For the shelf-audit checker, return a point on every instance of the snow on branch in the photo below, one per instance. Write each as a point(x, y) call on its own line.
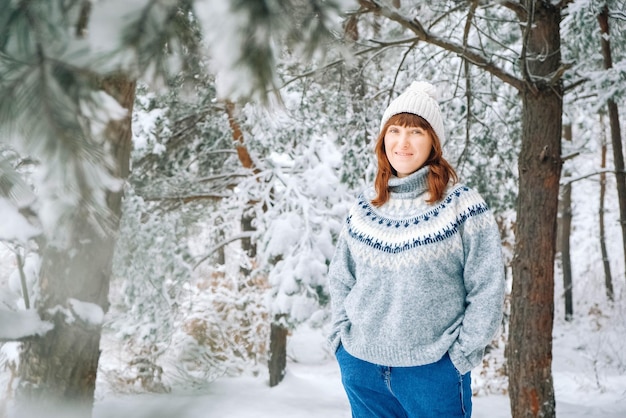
point(87, 312)
point(584, 176)
point(227, 241)
point(14, 226)
point(19, 325)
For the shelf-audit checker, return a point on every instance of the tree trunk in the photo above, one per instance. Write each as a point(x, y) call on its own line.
point(565, 231)
point(221, 252)
point(278, 353)
point(247, 218)
point(59, 369)
point(616, 135)
point(608, 277)
point(247, 244)
point(529, 350)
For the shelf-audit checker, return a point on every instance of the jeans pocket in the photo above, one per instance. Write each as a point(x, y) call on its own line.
point(446, 359)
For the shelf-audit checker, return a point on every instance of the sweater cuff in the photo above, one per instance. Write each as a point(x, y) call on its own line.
point(333, 342)
point(462, 364)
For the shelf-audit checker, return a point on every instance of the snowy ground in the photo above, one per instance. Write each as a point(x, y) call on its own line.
point(589, 382)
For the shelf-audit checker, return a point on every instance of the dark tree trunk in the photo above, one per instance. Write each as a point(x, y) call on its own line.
point(608, 277)
point(616, 134)
point(221, 252)
point(247, 244)
point(278, 353)
point(59, 369)
point(529, 350)
point(565, 231)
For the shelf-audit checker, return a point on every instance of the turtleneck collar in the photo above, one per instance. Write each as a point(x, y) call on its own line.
point(410, 186)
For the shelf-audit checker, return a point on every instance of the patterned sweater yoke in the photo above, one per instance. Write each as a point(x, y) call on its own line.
point(398, 229)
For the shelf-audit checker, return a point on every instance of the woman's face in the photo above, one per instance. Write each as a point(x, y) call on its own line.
point(407, 148)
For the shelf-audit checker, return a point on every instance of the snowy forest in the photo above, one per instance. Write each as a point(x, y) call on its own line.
point(174, 175)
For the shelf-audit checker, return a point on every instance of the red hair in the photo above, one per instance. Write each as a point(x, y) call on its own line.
point(440, 173)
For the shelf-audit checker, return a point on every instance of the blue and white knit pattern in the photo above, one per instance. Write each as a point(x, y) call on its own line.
point(399, 235)
point(411, 280)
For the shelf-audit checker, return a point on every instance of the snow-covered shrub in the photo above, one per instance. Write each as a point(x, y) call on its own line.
point(224, 330)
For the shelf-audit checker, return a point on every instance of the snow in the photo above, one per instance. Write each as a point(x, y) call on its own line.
point(100, 109)
point(19, 324)
point(312, 388)
point(144, 124)
point(282, 237)
point(14, 226)
point(87, 312)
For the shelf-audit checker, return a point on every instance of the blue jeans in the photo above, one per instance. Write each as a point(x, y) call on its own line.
point(434, 390)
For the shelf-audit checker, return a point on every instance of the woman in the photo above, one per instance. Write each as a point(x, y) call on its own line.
point(417, 279)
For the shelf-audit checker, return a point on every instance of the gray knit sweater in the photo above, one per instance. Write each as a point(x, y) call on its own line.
point(410, 281)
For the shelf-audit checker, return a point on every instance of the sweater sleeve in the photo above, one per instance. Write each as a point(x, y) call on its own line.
point(340, 281)
point(483, 276)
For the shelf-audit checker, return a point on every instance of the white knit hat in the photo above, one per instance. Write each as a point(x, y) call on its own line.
point(419, 99)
